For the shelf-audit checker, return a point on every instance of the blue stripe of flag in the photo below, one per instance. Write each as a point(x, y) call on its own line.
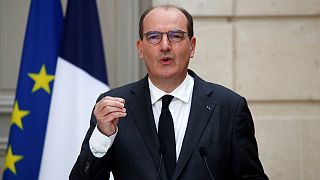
point(82, 43)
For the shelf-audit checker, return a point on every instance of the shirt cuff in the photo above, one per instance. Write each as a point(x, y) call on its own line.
point(99, 143)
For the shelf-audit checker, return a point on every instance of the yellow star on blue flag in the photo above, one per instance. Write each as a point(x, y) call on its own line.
point(41, 80)
point(17, 115)
point(10, 161)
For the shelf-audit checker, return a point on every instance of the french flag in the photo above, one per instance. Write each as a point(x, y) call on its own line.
point(79, 79)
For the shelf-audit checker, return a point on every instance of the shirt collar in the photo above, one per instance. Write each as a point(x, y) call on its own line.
point(182, 92)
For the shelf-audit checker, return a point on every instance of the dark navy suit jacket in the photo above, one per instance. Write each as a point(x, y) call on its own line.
point(219, 121)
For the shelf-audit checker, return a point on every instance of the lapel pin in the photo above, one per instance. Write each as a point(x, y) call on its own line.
point(208, 108)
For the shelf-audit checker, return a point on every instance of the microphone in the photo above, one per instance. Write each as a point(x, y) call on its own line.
point(204, 154)
point(162, 151)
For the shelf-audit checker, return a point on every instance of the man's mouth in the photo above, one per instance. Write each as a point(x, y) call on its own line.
point(166, 59)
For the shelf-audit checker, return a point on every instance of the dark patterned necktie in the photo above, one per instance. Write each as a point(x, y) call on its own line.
point(166, 136)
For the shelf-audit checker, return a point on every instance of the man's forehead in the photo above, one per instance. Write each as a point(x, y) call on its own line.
point(164, 11)
point(164, 14)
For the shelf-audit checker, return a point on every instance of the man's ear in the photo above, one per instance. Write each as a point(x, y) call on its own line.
point(140, 48)
point(192, 47)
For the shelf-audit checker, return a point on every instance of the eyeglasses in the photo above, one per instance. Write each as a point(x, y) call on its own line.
point(174, 36)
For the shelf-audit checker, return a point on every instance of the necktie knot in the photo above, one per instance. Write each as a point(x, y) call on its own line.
point(166, 99)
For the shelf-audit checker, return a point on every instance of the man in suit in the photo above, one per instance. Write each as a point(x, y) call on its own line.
point(171, 124)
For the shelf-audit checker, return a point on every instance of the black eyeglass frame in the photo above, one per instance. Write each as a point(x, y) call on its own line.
point(168, 35)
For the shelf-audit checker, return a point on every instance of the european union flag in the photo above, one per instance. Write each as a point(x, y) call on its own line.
point(32, 102)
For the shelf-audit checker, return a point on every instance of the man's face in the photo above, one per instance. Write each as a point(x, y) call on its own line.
point(166, 60)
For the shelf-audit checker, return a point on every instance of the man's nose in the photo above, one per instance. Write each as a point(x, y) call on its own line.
point(165, 43)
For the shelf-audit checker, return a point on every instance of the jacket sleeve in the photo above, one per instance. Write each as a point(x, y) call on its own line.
point(87, 165)
point(246, 163)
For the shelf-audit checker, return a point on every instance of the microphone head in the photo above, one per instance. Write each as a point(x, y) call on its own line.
point(162, 150)
point(203, 152)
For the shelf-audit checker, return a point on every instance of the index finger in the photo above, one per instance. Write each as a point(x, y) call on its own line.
point(110, 101)
point(119, 99)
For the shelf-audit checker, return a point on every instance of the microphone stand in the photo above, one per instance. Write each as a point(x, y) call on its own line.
point(161, 152)
point(204, 154)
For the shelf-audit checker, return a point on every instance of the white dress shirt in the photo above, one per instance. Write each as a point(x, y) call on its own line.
point(179, 108)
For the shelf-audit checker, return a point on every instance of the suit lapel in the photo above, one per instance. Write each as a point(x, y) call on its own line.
point(141, 110)
point(201, 110)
